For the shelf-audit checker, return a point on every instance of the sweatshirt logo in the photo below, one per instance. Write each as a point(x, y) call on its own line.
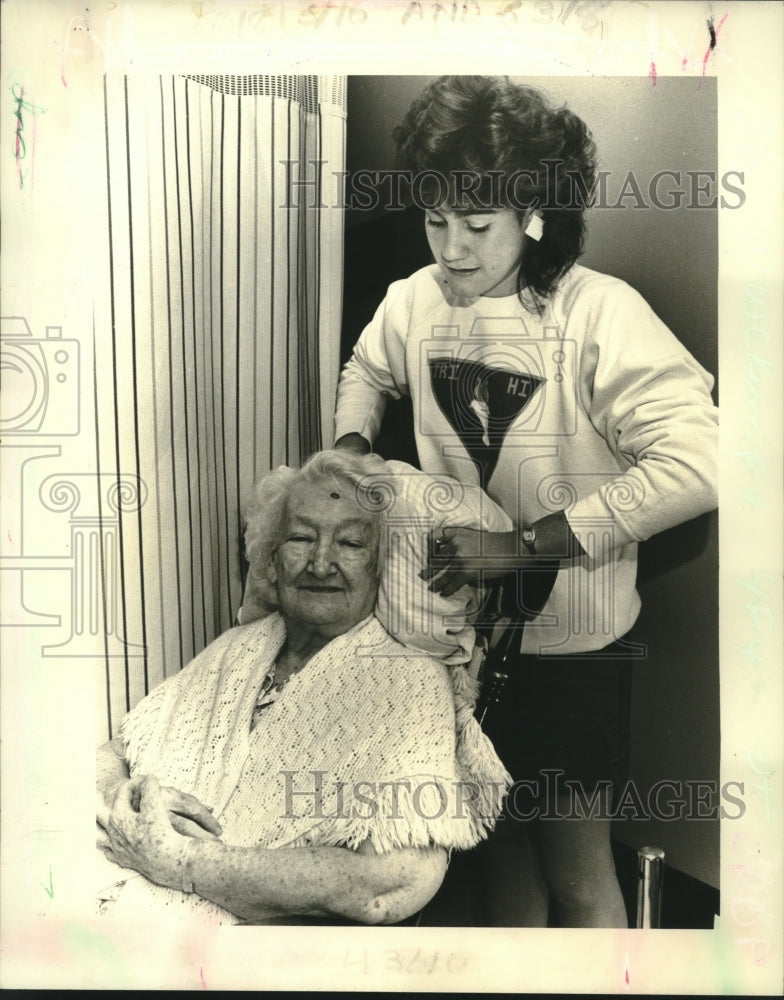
point(481, 404)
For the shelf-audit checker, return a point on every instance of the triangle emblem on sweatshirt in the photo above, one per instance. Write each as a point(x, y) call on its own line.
point(481, 404)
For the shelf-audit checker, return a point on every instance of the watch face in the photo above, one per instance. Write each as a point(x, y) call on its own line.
point(529, 535)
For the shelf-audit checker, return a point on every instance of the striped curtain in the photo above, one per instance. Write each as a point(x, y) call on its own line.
point(222, 352)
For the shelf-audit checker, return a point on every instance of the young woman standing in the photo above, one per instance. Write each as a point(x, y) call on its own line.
point(558, 390)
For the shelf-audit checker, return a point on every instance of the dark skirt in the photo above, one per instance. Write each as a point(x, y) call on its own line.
point(564, 719)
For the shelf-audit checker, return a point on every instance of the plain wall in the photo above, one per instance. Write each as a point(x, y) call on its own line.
point(671, 258)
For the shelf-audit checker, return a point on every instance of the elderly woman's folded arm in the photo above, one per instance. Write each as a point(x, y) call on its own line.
point(364, 886)
point(259, 884)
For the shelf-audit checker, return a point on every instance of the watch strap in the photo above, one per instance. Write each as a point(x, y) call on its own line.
point(528, 538)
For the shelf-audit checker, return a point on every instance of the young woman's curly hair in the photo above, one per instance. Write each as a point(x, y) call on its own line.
point(490, 127)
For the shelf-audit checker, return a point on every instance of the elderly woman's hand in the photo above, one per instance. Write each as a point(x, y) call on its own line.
point(137, 834)
point(187, 815)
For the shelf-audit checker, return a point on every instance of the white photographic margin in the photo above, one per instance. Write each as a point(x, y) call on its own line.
point(52, 234)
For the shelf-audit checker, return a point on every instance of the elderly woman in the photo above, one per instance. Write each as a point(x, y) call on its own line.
point(559, 391)
point(305, 763)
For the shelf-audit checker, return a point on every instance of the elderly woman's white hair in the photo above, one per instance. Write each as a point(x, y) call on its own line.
point(265, 508)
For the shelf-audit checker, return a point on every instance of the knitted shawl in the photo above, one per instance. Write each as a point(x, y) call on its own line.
point(369, 740)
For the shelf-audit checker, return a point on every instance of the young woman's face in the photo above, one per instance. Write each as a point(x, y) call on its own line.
point(479, 252)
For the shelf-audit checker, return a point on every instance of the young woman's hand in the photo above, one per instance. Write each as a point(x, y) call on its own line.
point(355, 443)
point(457, 556)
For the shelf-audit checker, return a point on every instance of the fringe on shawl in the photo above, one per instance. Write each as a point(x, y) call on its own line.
point(462, 812)
point(399, 814)
point(425, 810)
point(476, 756)
point(420, 811)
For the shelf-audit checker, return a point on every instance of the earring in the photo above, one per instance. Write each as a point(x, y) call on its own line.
point(535, 227)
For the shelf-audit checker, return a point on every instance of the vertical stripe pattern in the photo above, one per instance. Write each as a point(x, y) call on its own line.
point(222, 358)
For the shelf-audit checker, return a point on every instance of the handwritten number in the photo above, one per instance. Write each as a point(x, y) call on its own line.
point(511, 10)
point(587, 14)
point(357, 15)
point(567, 9)
point(316, 14)
point(310, 15)
point(362, 962)
point(393, 961)
point(545, 9)
point(408, 962)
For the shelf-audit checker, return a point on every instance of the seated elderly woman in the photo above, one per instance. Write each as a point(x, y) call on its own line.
point(305, 763)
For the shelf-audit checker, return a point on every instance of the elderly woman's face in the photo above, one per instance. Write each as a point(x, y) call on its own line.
point(326, 567)
point(479, 253)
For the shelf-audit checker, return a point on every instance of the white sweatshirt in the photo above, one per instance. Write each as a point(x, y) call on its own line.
point(594, 408)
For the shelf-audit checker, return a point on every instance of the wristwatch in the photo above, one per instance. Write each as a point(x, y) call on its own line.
point(528, 536)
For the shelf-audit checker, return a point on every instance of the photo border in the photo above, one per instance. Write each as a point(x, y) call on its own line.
point(48, 743)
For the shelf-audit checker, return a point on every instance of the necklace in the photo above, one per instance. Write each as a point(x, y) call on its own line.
point(271, 688)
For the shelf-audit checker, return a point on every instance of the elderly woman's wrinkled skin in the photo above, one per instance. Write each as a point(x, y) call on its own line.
point(326, 570)
point(325, 567)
